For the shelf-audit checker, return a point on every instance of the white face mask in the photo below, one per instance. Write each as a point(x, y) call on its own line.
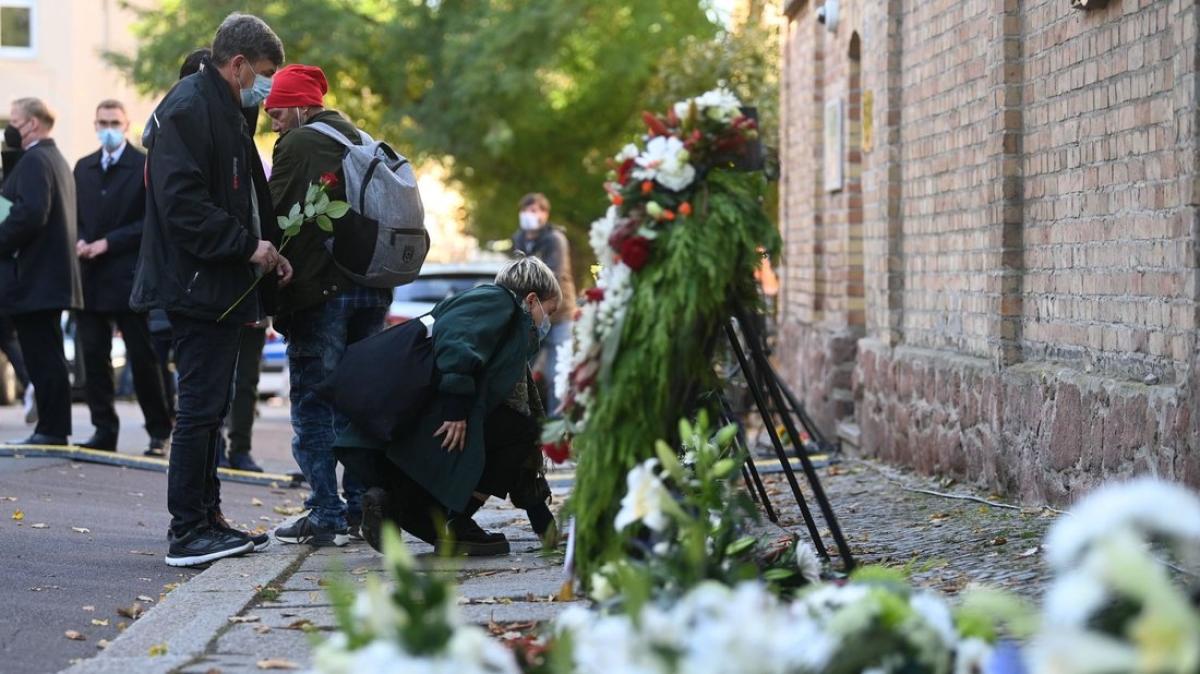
point(530, 221)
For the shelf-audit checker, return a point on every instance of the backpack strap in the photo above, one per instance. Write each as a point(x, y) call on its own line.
point(325, 129)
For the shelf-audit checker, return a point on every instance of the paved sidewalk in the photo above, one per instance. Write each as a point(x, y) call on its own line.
point(272, 605)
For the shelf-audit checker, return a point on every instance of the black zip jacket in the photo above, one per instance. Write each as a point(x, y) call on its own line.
point(197, 234)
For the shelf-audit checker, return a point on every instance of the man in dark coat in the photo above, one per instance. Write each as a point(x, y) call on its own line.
point(539, 238)
point(112, 198)
point(322, 311)
point(205, 242)
point(37, 261)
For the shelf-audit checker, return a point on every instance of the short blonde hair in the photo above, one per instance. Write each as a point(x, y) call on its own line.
point(526, 275)
point(37, 109)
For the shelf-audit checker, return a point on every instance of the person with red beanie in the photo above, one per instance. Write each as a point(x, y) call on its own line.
point(322, 311)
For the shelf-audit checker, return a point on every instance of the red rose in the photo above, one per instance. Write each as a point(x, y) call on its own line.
point(635, 251)
point(329, 179)
point(594, 294)
point(557, 452)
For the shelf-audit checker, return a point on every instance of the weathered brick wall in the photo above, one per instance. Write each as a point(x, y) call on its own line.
point(1027, 226)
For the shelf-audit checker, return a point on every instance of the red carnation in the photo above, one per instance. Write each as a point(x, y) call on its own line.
point(594, 294)
point(557, 452)
point(329, 179)
point(655, 125)
point(623, 171)
point(635, 251)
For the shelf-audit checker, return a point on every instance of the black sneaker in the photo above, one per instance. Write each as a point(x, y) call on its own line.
point(466, 537)
point(354, 524)
point(206, 545)
point(304, 531)
point(260, 541)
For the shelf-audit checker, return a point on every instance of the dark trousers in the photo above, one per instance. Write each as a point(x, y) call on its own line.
point(95, 346)
point(12, 350)
point(245, 389)
point(205, 355)
point(41, 337)
point(162, 351)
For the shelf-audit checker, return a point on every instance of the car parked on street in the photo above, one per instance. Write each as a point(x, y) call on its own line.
point(436, 283)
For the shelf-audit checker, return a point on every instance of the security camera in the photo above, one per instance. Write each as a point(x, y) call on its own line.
point(827, 14)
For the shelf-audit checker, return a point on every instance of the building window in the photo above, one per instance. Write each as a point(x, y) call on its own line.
point(16, 28)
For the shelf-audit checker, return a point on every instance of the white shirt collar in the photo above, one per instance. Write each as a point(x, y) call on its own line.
point(113, 157)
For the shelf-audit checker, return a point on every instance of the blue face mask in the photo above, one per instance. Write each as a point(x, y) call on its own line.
point(543, 328)
point(110, 139)
point(257, 93)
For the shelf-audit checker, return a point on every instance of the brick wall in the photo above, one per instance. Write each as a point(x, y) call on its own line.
point(1004, 287)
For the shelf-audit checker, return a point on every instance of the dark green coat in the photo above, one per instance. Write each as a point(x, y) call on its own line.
point(300, 157)
point(482, 342)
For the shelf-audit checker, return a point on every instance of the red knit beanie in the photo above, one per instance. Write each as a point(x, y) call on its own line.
point(297, 86)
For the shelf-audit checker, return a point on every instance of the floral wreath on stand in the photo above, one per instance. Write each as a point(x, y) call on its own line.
point(676, 244)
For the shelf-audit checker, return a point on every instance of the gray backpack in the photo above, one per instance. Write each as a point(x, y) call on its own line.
point(381, 242)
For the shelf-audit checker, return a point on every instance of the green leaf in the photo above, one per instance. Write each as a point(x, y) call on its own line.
point(778, 574)
point(669, 460)
point(292, 231)
point(283, 221)
point(294, 212)
point(311, 194)
point(308, 211)
point(739, 546)
point(322, 203)
point(337, 209)
point(325, 223)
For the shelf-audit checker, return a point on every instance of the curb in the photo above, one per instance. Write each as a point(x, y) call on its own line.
point(193, 615)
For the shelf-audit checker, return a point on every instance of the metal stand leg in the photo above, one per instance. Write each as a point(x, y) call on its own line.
point(774, 389)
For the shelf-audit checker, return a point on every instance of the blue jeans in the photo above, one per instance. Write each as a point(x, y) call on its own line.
point(317, 341)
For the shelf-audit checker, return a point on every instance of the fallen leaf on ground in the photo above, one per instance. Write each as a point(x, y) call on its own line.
point(18, 515)
point(8, 498)
point(81, 530)
point(74, 636)
point(277, 663)
point(100, 623)
point(102, 644)
point(142, 597)
point(158, 649)
point(288, 510)
point(41, 525)
point(301, 624)
point(1031, 551)
point(89, 608)
point(262, 629)
point(999, 540)
point(143, 552)
point(255, 501)
point(131, 612)
point(243, 619)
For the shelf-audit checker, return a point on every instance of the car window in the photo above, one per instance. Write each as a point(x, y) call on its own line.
point(436, 289)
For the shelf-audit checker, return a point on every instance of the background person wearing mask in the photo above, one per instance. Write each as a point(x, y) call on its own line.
point(37, 251)
point(539, 238)
point(112, 199)
point(205, 241)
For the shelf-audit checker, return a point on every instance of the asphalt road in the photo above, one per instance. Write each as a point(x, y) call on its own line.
point(103, 539)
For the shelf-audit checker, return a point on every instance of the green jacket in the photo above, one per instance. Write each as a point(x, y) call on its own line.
point(482, 342)
point(301, 156)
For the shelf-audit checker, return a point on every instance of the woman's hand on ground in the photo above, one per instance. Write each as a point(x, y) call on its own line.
point(456, 435)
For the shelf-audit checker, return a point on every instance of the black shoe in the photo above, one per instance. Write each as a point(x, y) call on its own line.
point(158, 447)
point(42, 439)
point(465, 537)
point(375, 505)
point(260, 541)
point(242, 461)
point(354, 524)
point(304, 531)
point(205, 545)
point(105, 442)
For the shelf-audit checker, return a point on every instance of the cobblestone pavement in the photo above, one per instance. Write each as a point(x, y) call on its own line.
point(942, 543)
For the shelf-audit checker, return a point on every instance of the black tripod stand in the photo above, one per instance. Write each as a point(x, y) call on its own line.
point(763, 383)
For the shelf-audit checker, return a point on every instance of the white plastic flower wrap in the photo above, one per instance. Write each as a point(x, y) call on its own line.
point(1113, 606)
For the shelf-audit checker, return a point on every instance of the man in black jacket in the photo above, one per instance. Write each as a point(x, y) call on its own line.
point(205, 241)
point(112, 198)
point(38, 265)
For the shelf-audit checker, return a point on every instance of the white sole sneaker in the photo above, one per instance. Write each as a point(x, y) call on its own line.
point(210, 557)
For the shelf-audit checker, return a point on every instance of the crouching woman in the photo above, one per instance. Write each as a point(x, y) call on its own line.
point(477, 433)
